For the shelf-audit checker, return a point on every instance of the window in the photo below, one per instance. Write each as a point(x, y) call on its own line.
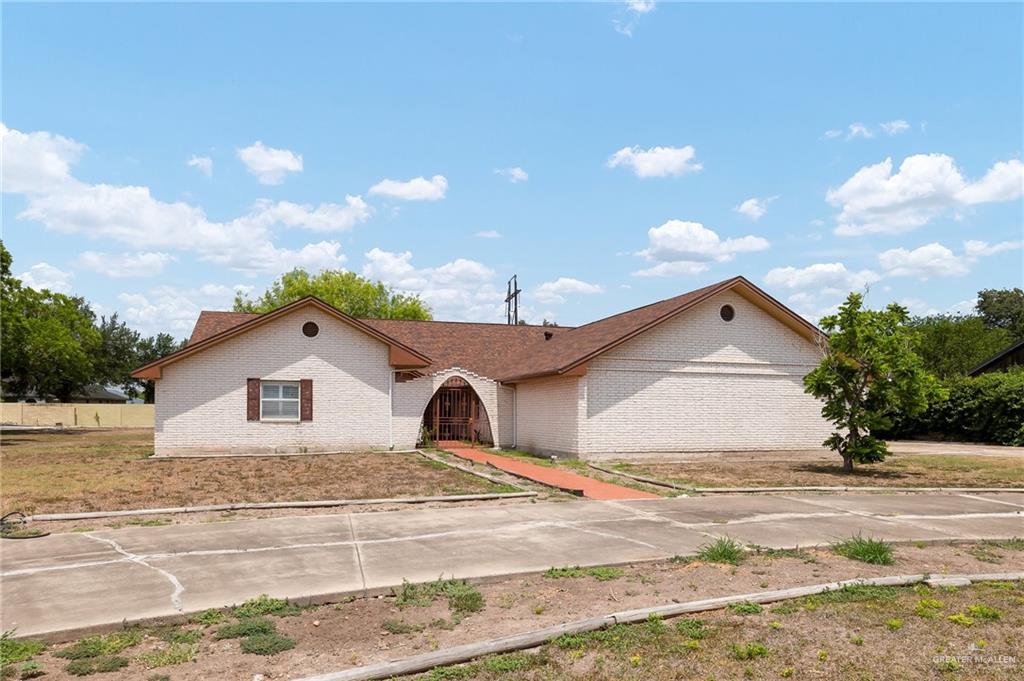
point(727, 313)
point(310, 329)
point(279, 401)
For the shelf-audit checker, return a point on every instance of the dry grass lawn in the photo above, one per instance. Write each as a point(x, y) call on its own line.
point(872, 633)
point(92, 470)
point(910, 470)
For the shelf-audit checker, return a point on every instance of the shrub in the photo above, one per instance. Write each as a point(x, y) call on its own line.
point(749, 651)
point(265, 605)
point(14, 650)
point(247, 627)
point(865, 549)
point(266, 644)
point(985, 408)
point(722, 550)
point(462, 596)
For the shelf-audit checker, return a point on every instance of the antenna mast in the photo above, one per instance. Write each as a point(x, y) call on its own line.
point(512, 301)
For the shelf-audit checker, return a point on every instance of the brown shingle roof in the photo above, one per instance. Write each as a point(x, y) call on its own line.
point(211, 322)
point(507, 353)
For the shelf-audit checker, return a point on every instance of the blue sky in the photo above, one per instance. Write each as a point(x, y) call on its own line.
point(609, 154)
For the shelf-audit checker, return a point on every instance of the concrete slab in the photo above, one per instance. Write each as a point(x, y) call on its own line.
point(985, 527)
point(53, 600)
point(1015, 498)
point(691, 510)
point(906, 504)
point(240, 534)
point(229, 579)
point(54, 550)
point(794, 532)
point(666, 536)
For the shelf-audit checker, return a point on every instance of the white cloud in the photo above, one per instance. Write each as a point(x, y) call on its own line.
point(875, 200)
point(172, 310)
point(269, 165)
point(514, 174)
point(812, 306)
point(895, 127)
point(859, 130)
point(687, 248)
point(489, 234)
point(416, 189)
point(640, 6)
point(832, 134)
point(461, 290)
point(204, 164)
point(552, 292)
point(656, 161)
point(36, 161)
point(918, 307)
point(977, 249)
point(140, 264)
point(831, 277)
point(44, 275)
point(925, 262)
point(39, 167)
point(754, 208)
point(327, 217)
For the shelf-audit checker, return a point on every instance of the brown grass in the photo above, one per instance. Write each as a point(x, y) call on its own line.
point(109, 469)
point(896, 471)
point(333, 637)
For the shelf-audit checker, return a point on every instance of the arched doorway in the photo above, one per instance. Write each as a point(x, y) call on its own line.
point(456, 412)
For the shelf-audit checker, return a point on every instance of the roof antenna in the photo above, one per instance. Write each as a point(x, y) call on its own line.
point(512, 301)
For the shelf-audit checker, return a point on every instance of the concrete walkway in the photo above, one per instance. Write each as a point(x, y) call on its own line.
point(547, 475)
point(75, 581)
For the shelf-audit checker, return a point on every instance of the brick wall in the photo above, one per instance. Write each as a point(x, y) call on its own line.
point(698, 383)
point(201, 405)
point(549, 413)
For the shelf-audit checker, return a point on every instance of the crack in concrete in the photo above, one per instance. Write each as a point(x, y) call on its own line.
point(359, 555)
point(141, 560)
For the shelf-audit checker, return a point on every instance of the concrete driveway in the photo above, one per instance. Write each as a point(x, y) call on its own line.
point(77, 581)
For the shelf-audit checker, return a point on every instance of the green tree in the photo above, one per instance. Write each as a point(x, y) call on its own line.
point(868, 372)
point(952, 345)
point(151, 349)
point(1003, 309)
point(347, 291)
point(118, 355)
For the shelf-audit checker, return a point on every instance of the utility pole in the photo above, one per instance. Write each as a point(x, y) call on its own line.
point(512, 301)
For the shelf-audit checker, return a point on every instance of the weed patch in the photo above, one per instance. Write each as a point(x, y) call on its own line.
point(209, 617)
point(265, 605)
point(865, 549)
point(400, 627)
point(247, 627)
point(745, 608)
point(266, 644)
point(176, 654)
point(13, 650)
point(95, 665)
point(692, 628)
point(749, 651)
point(722, 550)
point(101, 646)
point(600, 573)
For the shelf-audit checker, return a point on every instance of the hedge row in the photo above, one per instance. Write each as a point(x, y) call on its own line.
point(987, 408)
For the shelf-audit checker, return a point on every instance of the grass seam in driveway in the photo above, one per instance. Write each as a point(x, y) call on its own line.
point(326, 503)
point(532, 639)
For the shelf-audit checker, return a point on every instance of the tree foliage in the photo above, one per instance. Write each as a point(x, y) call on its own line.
point(1003, 309)
point(347, 291)
point(868, 372)
point(52, 346)
point(952, 345)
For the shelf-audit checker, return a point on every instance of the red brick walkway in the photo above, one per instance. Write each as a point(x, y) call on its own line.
point(555, 477)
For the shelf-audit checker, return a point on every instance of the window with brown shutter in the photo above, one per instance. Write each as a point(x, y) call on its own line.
point(306, 399)
point(252, 399)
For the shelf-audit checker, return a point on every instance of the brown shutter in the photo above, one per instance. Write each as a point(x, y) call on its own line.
point(306, 399)
point(252, 399)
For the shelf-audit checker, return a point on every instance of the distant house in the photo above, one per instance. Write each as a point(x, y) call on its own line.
point(1010, 357)
point(719, 368)
point(93, 394)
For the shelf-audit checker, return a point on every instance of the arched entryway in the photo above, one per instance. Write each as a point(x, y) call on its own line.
point(456, 412)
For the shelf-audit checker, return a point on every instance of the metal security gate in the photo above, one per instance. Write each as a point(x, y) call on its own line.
point(455, 413)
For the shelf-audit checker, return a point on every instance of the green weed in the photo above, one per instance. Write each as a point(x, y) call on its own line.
point(865, 549)
point(266, 644)
point(722, 550)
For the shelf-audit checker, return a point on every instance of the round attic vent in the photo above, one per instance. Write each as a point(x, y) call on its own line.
point(727, 313)
point(310, 329)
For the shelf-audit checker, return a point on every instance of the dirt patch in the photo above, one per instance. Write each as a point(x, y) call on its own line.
point(333, 637)
point(111, 469)
point(898, 470)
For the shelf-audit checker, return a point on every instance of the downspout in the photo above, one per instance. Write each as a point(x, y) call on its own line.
point(391, 409)
point(515, 416)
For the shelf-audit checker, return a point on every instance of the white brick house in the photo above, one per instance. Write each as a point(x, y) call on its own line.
point(720, 368)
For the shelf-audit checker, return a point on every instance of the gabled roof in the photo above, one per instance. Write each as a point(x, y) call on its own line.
point(499, 351)
point(401, 354)
point(994, 359)
point(571, 350)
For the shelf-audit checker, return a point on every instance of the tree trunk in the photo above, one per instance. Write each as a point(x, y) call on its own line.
point(847, 463)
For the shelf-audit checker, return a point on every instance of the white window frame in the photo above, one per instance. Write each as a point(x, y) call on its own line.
point(297, 400)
